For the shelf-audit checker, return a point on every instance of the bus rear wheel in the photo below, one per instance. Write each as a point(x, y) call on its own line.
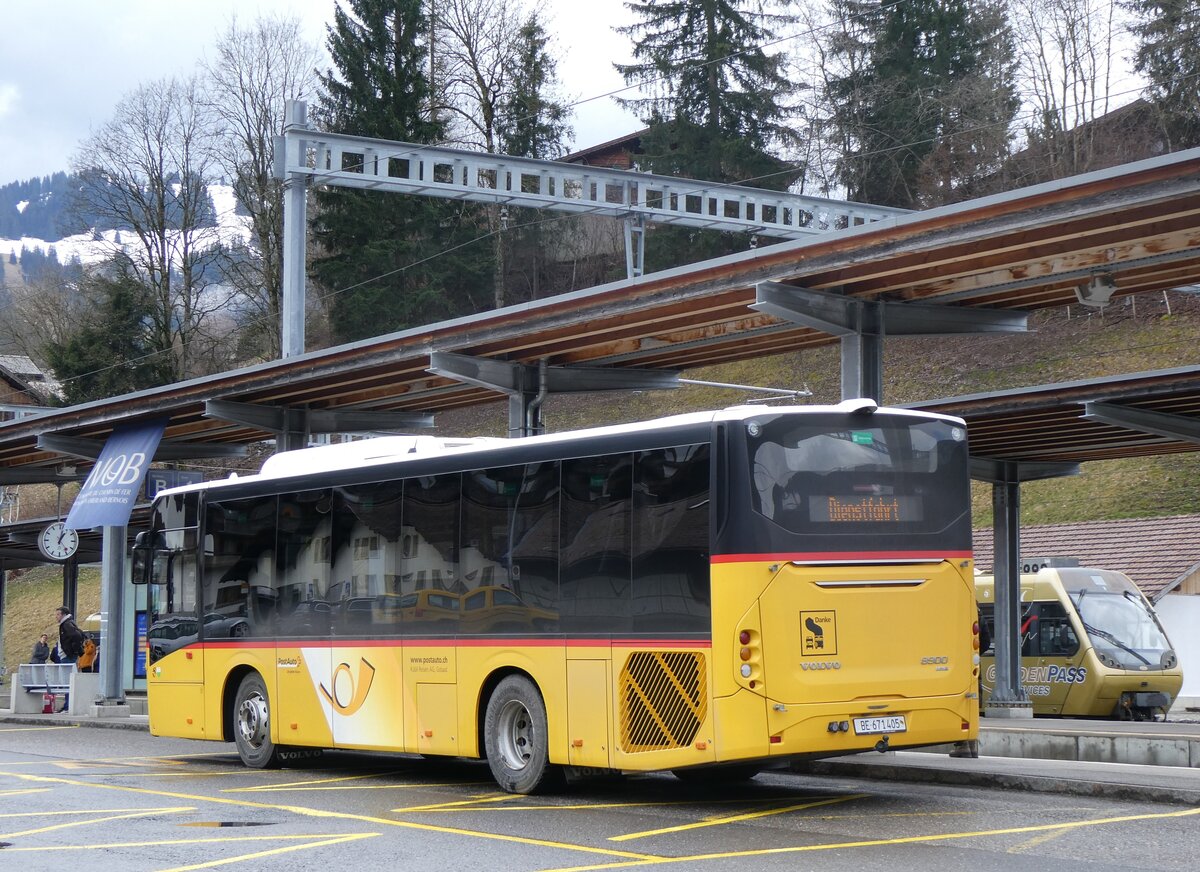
point(514, 735)
point(252, 724)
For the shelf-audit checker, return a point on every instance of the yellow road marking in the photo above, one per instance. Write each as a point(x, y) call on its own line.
point(1036, 842)
point(338, 815)
point(32, 729)
point(584, 806)
point(457, 805)
point(736, 818)
point(99, 820)
point(352, 787)
point(24, 790)
point(74, 811)
point(875, 843)
point(352, 837)
point(164, 843)
point(289, 784)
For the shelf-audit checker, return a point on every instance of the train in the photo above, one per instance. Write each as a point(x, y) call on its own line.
point(1091, 644)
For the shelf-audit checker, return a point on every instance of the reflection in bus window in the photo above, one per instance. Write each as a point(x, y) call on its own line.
point(596, 571)
point(670, 539)
point(431, 513)
point(510, 544)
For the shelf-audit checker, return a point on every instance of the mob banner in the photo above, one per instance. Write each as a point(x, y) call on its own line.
point(108, 495)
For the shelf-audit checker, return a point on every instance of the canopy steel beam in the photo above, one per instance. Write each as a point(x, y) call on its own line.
point(1156, 423)
point(527, 384)
point(37, 475)
point(862, 324)
point(1001, 471)
point(284, 420)
point(90, 449)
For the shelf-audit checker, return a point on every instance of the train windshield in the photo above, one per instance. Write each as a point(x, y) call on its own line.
point(1123, 627)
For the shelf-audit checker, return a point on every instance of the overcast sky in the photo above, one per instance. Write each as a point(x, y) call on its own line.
point(65, 64)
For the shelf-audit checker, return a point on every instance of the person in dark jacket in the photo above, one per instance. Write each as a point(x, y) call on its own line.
point(41, 649)
point(70, 643)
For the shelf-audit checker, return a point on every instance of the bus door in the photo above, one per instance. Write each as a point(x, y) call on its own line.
point(833, 633)
point(1050, 656)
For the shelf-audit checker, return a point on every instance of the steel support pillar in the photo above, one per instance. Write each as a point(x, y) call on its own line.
point(70, 587)
point(112, 625)
point(635, 246)
point(295, 211)
point(1008, 699)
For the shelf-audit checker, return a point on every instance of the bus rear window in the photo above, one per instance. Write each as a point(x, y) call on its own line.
point(884, 476)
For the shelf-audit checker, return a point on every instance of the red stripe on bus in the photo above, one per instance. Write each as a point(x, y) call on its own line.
point(514, 642)
point(843, 556)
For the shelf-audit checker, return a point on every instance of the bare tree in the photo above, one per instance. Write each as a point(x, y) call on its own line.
point(255, 71)
point(1065, 52)
point(145, 172)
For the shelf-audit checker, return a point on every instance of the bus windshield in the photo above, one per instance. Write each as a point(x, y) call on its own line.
point(887, 476)
point(1122, 626)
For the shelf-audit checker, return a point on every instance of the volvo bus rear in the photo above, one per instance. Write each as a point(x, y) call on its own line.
point(843, 608)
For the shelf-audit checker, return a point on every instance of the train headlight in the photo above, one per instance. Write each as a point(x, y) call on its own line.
point(1168, 659)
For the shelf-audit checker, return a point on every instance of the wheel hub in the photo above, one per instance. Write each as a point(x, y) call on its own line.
point(252, 720)
point(515, 735)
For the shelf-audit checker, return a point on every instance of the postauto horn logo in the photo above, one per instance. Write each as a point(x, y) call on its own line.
point(349, 692)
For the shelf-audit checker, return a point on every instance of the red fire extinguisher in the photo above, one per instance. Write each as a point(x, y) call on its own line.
point(48, 700)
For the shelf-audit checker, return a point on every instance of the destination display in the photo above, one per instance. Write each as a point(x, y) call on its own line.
point(864, 509)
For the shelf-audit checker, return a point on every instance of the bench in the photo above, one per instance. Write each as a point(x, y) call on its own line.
point(35, 679)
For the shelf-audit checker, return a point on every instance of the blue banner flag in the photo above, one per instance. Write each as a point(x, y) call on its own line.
point(108, 495)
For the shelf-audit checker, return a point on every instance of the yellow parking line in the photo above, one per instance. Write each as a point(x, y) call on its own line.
point(99, 820)
point(24, 790)
point(338, 779)
point(586, 806)
point(338, 815)
point(875, 843)
point(457, 805)
point(352, 837)
point(39, 729)
point(74, 811)
point(166, 843)
point(736, 818)
point(280, 788)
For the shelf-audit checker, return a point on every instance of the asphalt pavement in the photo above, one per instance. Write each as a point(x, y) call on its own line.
point(1156, 762)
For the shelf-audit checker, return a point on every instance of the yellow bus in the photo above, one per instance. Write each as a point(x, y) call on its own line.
point(1091, 645)
point(710, 594)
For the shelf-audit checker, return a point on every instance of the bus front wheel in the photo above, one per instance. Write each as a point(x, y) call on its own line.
point(252, 724)
point(514, 734)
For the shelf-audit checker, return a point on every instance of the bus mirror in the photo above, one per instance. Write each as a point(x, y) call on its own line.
point(140, 571)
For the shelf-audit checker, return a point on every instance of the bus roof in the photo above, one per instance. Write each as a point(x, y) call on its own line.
point(389, 449)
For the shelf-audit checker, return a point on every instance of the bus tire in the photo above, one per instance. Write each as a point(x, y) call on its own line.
point(515, 738)
point(252, 724)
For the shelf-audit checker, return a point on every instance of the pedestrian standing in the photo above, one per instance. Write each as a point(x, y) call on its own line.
point(70, 642)
point(41, 649)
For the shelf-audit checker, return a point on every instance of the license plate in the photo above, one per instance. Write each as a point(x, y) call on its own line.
point(884, 724)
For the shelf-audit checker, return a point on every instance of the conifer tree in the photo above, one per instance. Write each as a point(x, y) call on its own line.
point(1168, 55)
point(923, 102)
point(716, 105)
point(389, 261)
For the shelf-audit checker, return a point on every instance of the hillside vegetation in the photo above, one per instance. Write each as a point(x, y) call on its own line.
point(29, 603)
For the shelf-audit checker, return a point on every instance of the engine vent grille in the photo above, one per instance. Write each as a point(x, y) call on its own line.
point(663, 700)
